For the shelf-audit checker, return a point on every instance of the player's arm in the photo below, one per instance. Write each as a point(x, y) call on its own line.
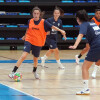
point(23, 38)
point(82, 32)
point(79, 38)
point(58, 29)
point(50, 26)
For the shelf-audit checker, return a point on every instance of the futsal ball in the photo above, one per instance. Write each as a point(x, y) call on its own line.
point(17, 77)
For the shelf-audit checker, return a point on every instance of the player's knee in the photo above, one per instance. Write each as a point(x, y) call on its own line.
point(88, 48)
point(23, 57)
point(57, 51)
point(35, 59)
point(51, 50)
point(84, 68)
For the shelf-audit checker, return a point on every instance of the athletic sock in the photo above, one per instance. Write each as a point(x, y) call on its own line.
point(34, 69)
point(45, 57)
point(58, 61)
point(95, 68)
point(79, 56)
point(85, 84)
point(15, 69)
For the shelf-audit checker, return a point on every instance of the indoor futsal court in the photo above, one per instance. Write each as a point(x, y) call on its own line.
point(48, 49)
point(54, 84)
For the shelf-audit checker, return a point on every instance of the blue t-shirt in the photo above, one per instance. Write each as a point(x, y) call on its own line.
point(92, 32)
point(53, 33)
point(47, 25)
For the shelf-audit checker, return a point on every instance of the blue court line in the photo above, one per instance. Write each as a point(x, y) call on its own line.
point(39, 61)
point(8, 93)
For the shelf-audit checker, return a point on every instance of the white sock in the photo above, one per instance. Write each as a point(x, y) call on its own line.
point(95, 68)
point(45, 57)
point(58, 61)
point(85, 84)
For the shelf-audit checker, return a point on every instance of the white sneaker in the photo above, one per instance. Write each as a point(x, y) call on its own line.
point(77, 59)
point(94, 72)
point(61, 66)
point(36, 75)
point(83, 92)
point(11, 75)
point(42, 61)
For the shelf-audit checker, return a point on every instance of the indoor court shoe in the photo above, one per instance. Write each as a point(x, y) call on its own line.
point(83, 92)
point(77, 59)
point(61, 66)
point(94, 72)
point(36, 75)
point(42, 61)
point(11, 75)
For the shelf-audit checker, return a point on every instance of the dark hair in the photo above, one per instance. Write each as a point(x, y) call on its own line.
point(41, 12)
point(61, 11)
point(82, 15)
point(97, 8)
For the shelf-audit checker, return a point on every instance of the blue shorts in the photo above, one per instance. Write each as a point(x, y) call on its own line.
point(35, 49)
point(52, 44)
point(86, 41)
point(93, 55)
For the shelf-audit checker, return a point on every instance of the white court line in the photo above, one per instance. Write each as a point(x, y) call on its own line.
point(21, 91)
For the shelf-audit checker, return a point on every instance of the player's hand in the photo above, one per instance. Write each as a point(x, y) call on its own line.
point(65, 38)
point(63, 32)
point(73, 47)
point(48, 33)
point(23, 38)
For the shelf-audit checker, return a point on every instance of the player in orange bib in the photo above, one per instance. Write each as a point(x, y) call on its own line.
point(35, 38)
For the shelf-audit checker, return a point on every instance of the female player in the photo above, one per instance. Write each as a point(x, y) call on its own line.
point(92, 32)
point(95, 19)
point(34, 39)
point(52, 37)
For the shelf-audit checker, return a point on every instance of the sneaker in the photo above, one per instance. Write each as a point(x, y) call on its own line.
point(11, 75)
point(83, 92)
point(77, 59)
point(61, 66)
point(36, 75)
point(94, 72)
point(42, 61)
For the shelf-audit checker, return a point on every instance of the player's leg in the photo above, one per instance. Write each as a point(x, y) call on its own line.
point(85, 75)
point(27, 48)
point(19, 62)
point(48, 53)
point(52, 45)
point(56, 53)
point(36, 53)
point(86, 49)
point(97, 65)
point(35, 67)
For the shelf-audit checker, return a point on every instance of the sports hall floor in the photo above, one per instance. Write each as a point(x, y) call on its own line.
point(54, 84)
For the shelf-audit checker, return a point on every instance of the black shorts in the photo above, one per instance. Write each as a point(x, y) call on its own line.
point(35, 49)
point(93, 55)
point(52, 44)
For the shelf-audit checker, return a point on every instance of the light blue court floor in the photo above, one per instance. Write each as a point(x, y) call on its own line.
point(7, 93)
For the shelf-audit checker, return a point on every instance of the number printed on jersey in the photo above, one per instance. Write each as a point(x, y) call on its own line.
point(53, 31)
point(95, 28)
